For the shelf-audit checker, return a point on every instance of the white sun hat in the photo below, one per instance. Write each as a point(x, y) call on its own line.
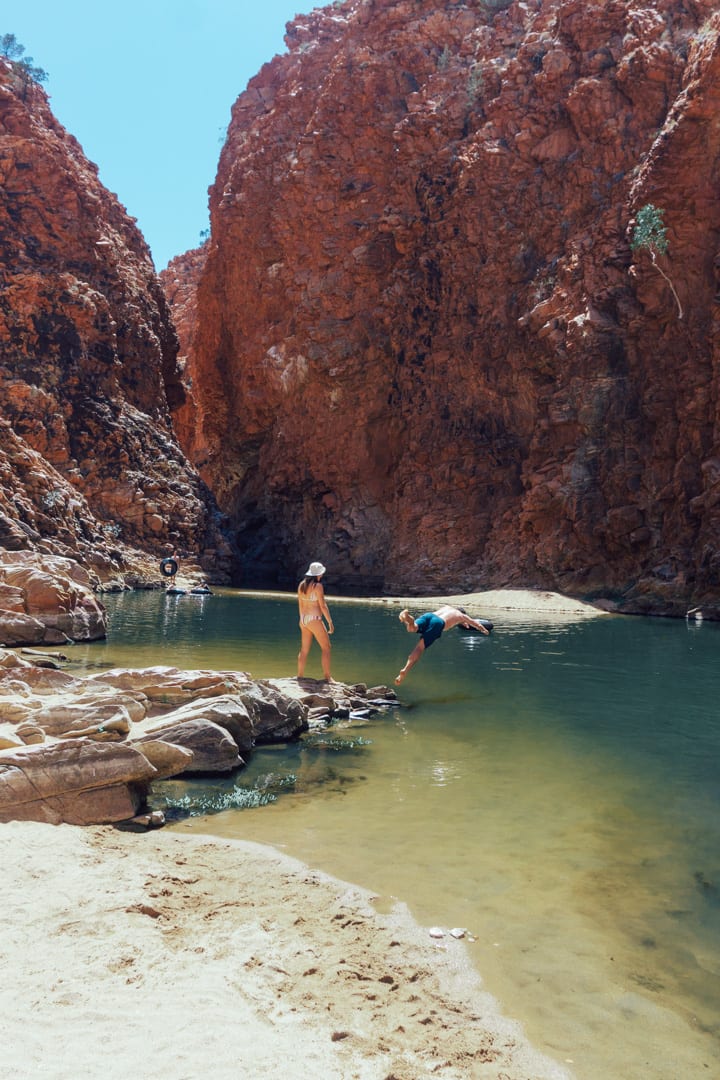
point(315, 569)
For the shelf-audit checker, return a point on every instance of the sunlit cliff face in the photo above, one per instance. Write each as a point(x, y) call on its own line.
point(89, 461)
point(425, 350)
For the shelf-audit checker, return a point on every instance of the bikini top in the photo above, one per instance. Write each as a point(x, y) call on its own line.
point(311, 596)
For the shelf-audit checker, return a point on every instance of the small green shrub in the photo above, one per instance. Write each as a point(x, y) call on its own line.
point(650, 235)
point(650, 231)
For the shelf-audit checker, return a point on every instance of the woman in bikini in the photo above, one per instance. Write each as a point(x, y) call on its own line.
point(313, 609)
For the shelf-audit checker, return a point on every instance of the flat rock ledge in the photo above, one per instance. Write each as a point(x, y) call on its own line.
point(85, 751)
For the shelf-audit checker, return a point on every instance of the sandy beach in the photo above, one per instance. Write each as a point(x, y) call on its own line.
point(170, 957)
point(532, 604)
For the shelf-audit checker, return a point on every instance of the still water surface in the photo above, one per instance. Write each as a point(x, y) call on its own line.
point(554, 789)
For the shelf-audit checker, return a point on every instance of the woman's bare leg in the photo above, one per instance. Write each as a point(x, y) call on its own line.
point(319, 632)
point(306, 640)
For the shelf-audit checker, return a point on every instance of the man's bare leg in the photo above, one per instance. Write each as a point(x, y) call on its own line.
point(410, 662)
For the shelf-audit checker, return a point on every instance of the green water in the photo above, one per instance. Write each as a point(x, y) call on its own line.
point(553, 788)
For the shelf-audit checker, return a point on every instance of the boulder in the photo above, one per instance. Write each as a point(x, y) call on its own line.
point(167, 758)
point(101, 806)
point(228, 712)
point(213, 749)
point(30, 734)
point(276, 717)
point(171, 686)
point(11, 598)
point(58, 703)
point(78, 782)
point(69, 719)
point(112, 729)
point(17, 628)
point(47, 600)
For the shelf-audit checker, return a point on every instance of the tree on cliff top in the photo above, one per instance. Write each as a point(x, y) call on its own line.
point(650, 234)
point(24, 65)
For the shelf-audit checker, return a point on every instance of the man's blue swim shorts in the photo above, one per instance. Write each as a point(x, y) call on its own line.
point(430, 626)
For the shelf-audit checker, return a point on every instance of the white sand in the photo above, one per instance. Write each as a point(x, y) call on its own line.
point(167, 957)
point(529, 603)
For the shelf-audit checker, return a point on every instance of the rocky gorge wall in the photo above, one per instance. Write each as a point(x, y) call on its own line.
point(179, 281)
point(89, 463)
point(424, 348)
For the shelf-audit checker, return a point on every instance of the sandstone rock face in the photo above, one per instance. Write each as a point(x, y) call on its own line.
point(275, 718)
point(179, 282)
point(426, 351)
point(227, 712)
point(47, 600)
point(166, 758)
point(52, 768)
point(76, 783)
point(212, 748)
point(89, 463)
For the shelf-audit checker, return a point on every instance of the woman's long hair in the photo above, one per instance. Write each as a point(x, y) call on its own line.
point(306, 582)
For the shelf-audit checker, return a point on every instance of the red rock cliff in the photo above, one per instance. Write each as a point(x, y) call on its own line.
point(179, 281)
point(90, 464)
point(426, 352)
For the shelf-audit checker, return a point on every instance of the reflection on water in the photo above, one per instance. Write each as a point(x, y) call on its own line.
point(553, 788)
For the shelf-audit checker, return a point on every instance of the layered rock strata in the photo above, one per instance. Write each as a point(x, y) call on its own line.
point(86, 750)
point(426, 351)
point(89, 463)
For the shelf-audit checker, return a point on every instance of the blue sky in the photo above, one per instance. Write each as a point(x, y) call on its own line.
point(146, 88)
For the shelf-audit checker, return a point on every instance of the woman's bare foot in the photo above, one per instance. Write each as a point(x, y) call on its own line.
point(399, 678)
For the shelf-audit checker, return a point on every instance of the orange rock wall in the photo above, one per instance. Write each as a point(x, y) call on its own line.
point(179, 281)
point(89, 460)
point(425, 351)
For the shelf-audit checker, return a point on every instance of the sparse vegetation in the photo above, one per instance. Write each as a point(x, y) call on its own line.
point(24, 66)
point(650, 234)
point(444, 59)
point(542, 286)
point(475, 83)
